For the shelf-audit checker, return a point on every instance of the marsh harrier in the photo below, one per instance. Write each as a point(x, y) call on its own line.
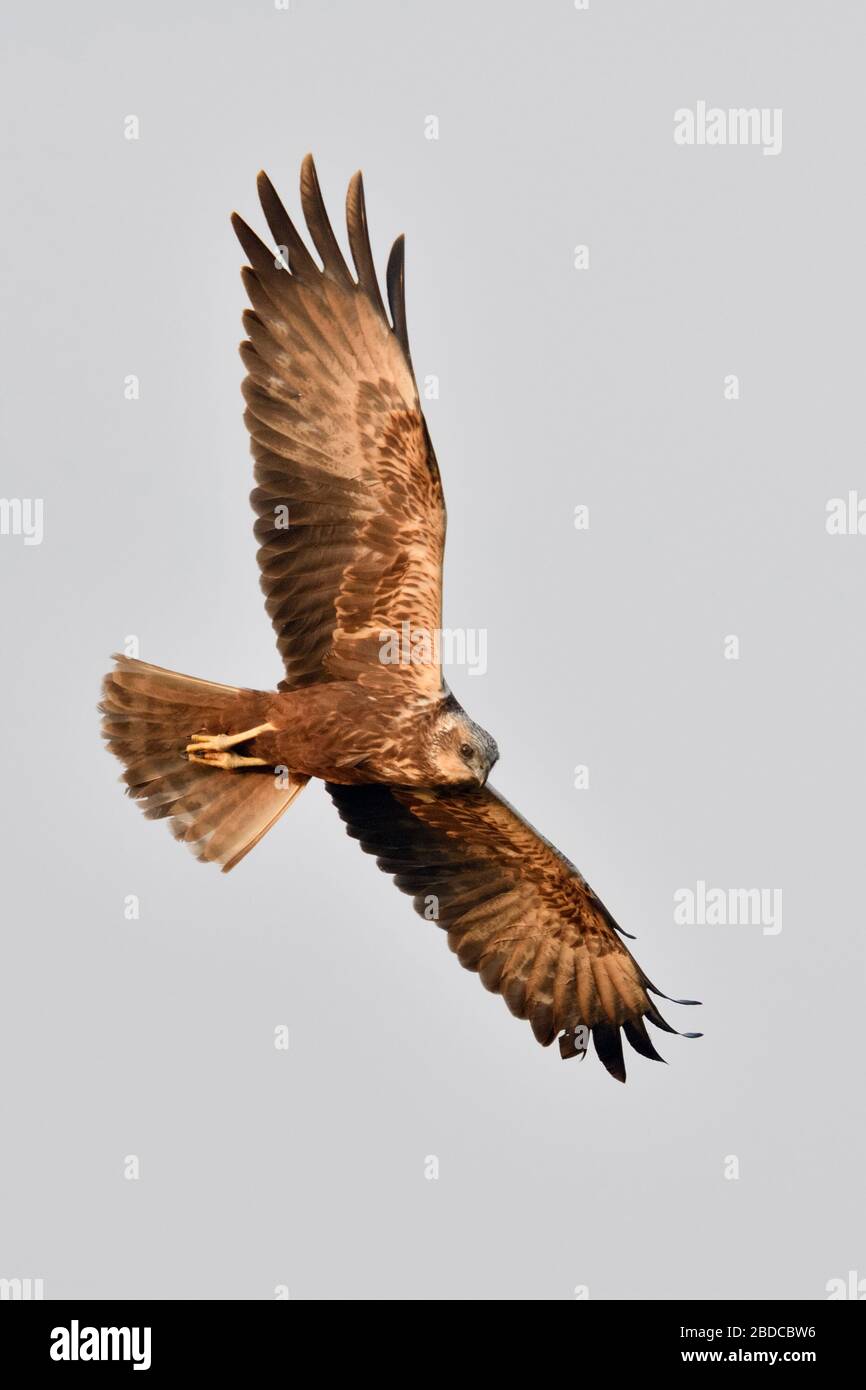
point(351, 531)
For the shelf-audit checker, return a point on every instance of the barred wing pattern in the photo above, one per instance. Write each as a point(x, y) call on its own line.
point(351, 517)
point(515, 910)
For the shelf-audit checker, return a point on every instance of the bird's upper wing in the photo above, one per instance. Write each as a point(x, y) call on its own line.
point(515, 910)
point(351, 515)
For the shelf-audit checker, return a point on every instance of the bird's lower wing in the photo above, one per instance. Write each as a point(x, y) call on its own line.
point(515, 910)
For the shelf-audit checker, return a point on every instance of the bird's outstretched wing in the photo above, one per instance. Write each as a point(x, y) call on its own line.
point(351, 518)
point(515, 910)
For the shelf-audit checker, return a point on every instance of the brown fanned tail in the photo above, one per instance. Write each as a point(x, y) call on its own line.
point(148, 716)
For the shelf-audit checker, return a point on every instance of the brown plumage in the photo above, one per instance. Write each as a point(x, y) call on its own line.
point(351, 532)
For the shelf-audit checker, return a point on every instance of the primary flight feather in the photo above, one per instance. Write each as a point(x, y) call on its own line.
point(351, 531)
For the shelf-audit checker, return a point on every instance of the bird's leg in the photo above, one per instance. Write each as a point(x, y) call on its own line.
point(218, 743)
point(212, 749)
point(213, 758)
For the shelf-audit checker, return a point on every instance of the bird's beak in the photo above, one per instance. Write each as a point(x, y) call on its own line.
point(482, 780)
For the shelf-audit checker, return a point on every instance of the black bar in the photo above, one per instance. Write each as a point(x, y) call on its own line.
point(226, 1338)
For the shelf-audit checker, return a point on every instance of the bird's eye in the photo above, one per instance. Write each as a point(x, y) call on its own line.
point(466, 750)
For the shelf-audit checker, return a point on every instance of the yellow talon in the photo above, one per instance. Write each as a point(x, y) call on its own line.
point(218, 743)
point(214, 757)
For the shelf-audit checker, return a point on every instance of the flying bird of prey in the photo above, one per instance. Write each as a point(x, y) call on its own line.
point(351, 532)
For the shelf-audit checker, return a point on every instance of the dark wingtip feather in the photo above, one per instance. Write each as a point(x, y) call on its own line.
point(396, 281)
point(635, 1031)
point(608, 1045)
point(568, 1048)
point(258, 255)
point(359, 241)
point(319, 225)
point(654, 989)
point(655, 1017)
point(283, 229)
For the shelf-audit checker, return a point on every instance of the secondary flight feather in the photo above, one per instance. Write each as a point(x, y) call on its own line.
point(351, 531)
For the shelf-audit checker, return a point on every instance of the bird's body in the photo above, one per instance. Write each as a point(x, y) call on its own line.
point(344, 733)
point(351, 530)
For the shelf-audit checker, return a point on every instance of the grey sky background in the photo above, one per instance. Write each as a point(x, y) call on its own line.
point(558, 387)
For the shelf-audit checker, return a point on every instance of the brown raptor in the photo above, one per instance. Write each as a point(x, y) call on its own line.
point(351, 532)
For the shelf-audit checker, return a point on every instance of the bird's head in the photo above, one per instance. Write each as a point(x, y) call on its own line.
point(462, 752)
